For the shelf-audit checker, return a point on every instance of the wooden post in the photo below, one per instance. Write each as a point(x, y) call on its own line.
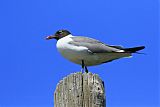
point(80, 90)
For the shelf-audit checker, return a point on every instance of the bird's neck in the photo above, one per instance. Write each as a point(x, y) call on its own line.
point(69, 35)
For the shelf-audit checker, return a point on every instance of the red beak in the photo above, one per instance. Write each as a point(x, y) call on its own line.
point(50, 37)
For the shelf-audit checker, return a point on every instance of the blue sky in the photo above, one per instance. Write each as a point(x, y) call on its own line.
point(31, 66)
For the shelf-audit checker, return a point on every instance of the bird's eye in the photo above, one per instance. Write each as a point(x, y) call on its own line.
point(60, 32)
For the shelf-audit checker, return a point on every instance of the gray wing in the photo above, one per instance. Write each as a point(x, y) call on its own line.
point(94, 45)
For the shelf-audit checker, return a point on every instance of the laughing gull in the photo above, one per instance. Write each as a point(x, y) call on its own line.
point(87, 51)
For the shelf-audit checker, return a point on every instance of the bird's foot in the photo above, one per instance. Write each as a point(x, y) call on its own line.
point(86, 70)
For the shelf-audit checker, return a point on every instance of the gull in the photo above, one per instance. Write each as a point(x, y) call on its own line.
point(87, 51)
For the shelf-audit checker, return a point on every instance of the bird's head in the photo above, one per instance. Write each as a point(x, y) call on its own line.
point(58, 35)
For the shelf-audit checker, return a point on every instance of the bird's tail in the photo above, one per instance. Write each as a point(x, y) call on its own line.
point(134, 49)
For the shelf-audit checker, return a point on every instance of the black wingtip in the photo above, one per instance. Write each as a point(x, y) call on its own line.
point(134, 49)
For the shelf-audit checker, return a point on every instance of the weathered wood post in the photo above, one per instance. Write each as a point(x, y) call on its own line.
point(80, 90)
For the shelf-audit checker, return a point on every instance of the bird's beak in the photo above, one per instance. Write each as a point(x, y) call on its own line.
point(50, 37)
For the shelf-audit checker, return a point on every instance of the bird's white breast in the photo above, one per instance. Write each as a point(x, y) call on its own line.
point(69, 51)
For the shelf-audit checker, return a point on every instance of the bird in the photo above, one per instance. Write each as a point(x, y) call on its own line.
point(87, 51)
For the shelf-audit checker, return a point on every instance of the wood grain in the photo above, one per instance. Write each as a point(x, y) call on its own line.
point(80, 90)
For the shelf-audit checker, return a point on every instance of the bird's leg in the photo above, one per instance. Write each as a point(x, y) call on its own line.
point(82, 66)
point(86, 70)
